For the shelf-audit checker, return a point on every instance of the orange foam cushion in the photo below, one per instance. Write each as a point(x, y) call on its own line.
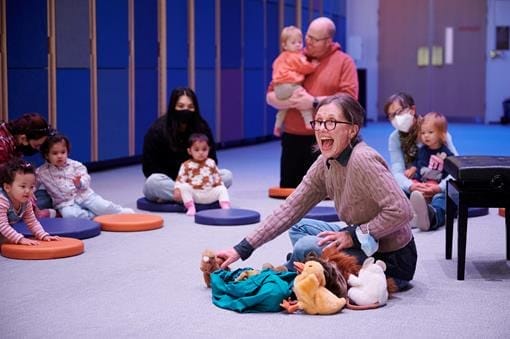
point(281, 193)
point(129, 222)
point(502, 212)
point(65, 247)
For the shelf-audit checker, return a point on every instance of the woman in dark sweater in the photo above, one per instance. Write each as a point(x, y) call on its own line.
point(165, 146)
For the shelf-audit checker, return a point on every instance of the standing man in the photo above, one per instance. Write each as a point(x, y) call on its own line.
point(335, 74)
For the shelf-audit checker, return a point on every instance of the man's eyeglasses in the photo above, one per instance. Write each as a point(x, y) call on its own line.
point(329, 125)
point(315, 40)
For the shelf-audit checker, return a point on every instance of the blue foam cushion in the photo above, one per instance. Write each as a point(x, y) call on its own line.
point(224, 217)
point(148, 205)
point(324, 213)
point(477, 211)
point(64, 227)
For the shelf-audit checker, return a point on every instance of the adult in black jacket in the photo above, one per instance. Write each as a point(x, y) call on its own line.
point(166, 142)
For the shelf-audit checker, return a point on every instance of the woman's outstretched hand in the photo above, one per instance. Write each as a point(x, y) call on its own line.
point(229, 256)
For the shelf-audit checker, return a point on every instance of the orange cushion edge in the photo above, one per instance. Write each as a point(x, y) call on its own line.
point(278, 192)
point(502, 212)
point(66, 247)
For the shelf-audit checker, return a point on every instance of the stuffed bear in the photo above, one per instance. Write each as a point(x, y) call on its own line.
point(369, 287)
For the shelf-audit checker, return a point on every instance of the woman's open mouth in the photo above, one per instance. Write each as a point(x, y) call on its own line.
point(326, 143)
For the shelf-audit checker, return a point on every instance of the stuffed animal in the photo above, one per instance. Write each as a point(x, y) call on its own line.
point(312, 295)
point(369, 287)
point(208, 264)
point(347, 264)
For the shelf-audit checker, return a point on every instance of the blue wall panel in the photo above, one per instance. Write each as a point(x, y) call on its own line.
point(112, 105)
point(205, 90)
point(272, 51)
point(253, 39)
point(146, 104)
point(289, 14)
point(28, 91)
point(27, 42)
point(146, 33)
point(112, 33)
point(231, 34)
point(177, 34)
point(254, 103)
point(232, 127)
point(73, 110)
point(72, 33)
point(205, 50)
point(176, 77)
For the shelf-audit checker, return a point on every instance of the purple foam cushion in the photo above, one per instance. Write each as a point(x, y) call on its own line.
point(227, 217)
point(148, 205)
point(65, 227)
point(324, 213)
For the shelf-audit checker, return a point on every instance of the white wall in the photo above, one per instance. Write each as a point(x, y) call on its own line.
point(362, 44)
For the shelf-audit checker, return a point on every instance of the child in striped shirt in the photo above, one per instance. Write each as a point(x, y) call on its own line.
point(17, 179)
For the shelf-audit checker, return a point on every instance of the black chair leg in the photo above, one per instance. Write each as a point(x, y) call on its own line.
point(450, 214)
point(507, 224)
point(462, 229)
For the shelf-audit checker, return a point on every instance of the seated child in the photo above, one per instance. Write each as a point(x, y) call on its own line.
point(428, 166)
point(17, 178)
point(199, 179)
point(68, 183)
point(289, 70)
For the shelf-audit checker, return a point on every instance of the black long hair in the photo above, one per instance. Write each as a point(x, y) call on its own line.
point(196, 124)
point(33, 125)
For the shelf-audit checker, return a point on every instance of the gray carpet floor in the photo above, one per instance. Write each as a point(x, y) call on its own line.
point(148, 284)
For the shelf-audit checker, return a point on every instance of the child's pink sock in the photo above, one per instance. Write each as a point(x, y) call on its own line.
point(225, 204)
point(190, 205)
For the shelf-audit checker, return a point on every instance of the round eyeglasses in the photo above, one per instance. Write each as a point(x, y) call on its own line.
point(329, 125)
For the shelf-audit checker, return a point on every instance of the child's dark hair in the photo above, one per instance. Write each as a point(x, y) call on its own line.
point(31, 124)
point(197, 137)
point(9, 169)
point(52, 140)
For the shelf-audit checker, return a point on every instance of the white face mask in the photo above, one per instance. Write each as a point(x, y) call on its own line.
point(403, 122)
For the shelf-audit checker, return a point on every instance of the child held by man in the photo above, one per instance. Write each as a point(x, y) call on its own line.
point(289, 70)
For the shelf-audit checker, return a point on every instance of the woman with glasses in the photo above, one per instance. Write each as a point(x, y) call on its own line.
point(403, 144)
point(366, 197)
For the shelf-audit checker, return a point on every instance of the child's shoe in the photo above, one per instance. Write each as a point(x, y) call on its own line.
point(46, 213)
point(126, 210)
point(225, 205)
point(190, 205)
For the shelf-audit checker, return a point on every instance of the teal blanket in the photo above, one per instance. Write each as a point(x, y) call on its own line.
point(262, 292)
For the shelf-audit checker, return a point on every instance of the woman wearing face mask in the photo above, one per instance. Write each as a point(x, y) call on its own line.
point(24, 136)
point(165, 146)
point(347, 171)
point(403, 144)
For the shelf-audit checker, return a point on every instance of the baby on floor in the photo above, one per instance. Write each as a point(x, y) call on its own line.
point(68, 183)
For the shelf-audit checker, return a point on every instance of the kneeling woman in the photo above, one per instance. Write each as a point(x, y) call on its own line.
point(365, 194)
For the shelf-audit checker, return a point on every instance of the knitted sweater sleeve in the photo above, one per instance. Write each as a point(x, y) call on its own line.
point(309, 192)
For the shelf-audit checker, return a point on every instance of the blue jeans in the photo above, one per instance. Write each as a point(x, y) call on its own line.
point(91, 207)
point(303, 237)
point(160, 187)
point(439, 204)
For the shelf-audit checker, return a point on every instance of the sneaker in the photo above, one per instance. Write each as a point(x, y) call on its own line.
point(46, 213)
point(421, 210)
point(126, 210)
